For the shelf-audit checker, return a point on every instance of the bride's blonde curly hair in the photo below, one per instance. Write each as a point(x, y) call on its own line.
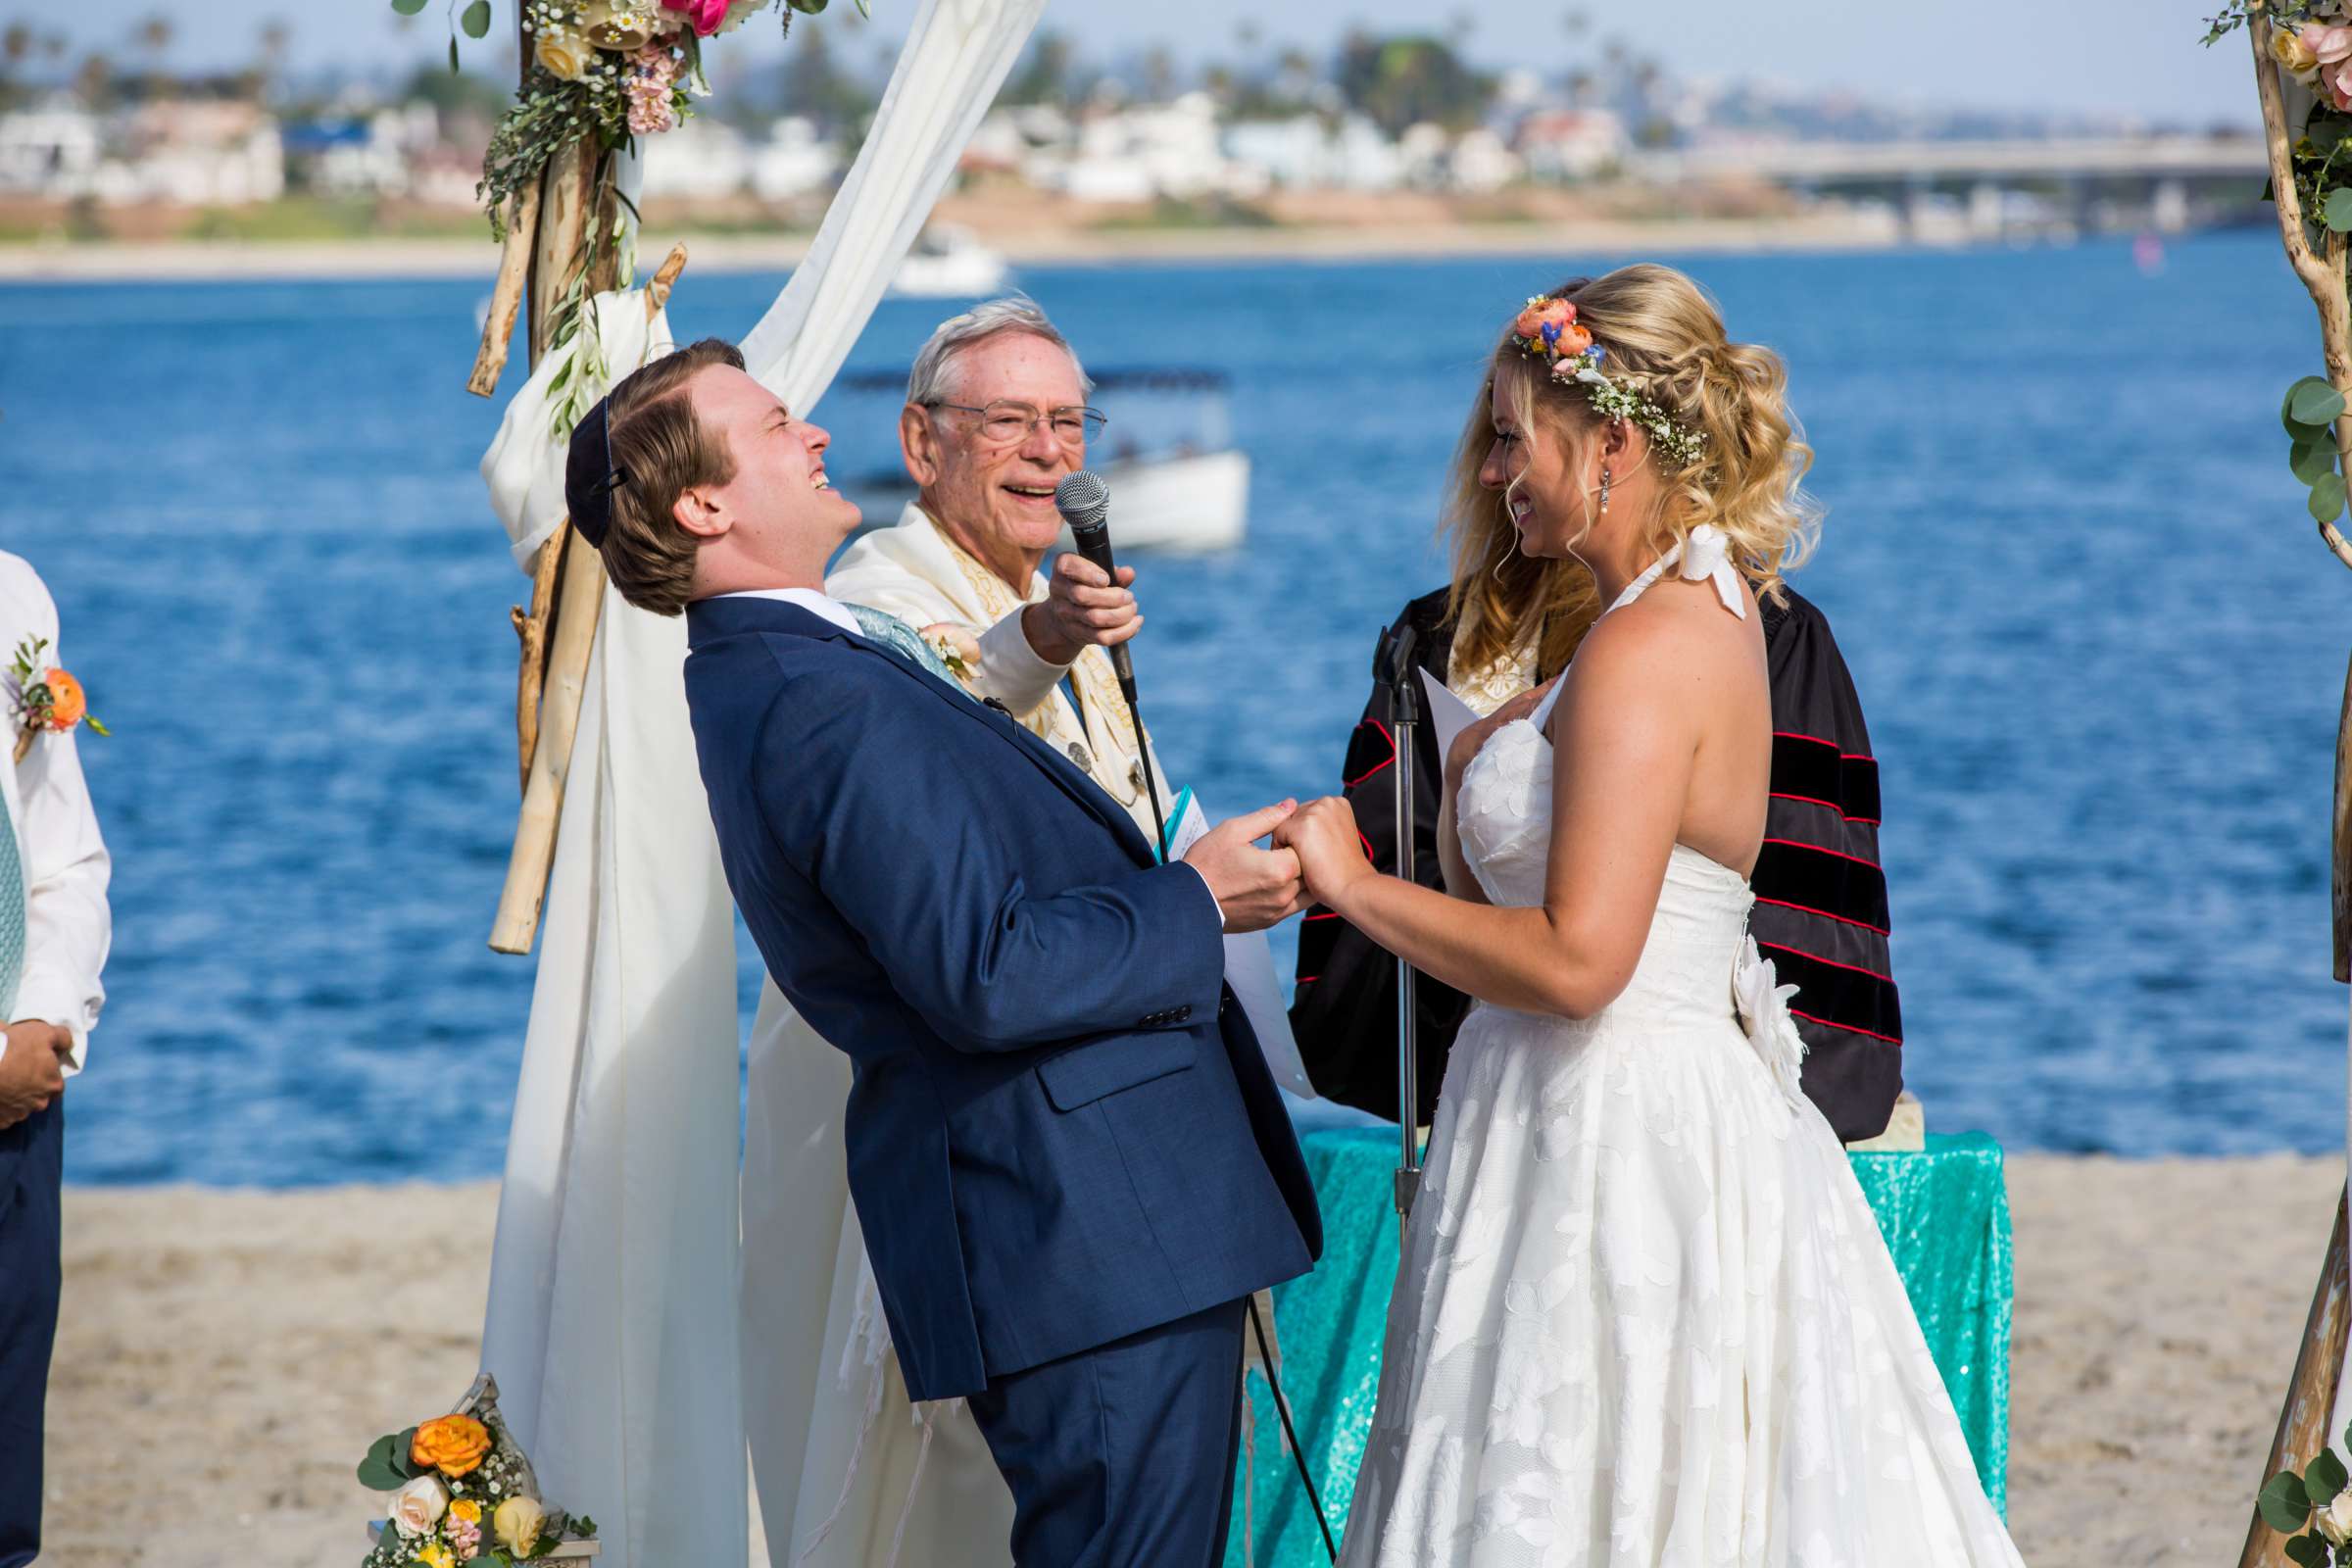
point(1665, 342)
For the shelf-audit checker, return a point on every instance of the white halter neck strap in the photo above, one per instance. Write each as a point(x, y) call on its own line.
point(1706, 554)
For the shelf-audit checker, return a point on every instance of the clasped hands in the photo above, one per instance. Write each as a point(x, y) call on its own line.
point(1316, 852)
point(1322, 834)
point(33, 1068)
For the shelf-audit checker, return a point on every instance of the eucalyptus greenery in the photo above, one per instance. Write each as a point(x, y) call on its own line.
point(2321, 161)
point(2240, 13)
point(2297, 1507)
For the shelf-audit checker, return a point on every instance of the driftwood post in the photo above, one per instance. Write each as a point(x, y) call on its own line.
point(2303, 1417)
point(548, 751)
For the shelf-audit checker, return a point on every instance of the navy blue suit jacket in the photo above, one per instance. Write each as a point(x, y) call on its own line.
point(1060, 1131)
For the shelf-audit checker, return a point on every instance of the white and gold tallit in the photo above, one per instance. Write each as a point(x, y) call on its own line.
point(914, 571)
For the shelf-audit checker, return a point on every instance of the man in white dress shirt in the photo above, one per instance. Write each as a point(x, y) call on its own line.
point(995, 416)
point(54, 931)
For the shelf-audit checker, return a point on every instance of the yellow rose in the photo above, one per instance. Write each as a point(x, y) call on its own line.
point(517, 1523)
point(433, 1554)
point(468, 1509)
point(562, 52)
point(2290, 51)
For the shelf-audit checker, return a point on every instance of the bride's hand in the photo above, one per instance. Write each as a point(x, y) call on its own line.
point(1331, 851)
point(1473, 737)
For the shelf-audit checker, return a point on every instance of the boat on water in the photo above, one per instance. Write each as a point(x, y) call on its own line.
point(949, 262)
point(1177, 483)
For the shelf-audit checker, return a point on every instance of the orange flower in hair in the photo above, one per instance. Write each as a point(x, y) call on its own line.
point(1540, 313)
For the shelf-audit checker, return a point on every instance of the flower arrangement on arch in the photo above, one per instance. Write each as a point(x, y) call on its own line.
point(607, 70)
point(2313, 1509)
point(2310, 44)
point(460, 1492)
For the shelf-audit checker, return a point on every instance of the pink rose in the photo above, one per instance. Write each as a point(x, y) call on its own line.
point(2337, 79)
point(2330, 45)
point(703, 16)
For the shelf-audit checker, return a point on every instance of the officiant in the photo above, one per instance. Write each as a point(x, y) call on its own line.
point(995, 416)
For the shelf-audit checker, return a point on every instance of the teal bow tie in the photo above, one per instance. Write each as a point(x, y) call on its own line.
point(892, 632)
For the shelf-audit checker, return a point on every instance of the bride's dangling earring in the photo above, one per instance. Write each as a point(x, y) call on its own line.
point(1604, 489)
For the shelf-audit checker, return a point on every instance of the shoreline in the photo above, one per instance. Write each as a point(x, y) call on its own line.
point(224, 1357)
point(180, 261)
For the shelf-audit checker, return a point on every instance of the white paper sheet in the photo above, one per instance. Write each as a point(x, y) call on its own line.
point(1449, 713)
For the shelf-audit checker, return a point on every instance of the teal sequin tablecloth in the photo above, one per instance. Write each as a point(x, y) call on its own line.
point(1944, 1213)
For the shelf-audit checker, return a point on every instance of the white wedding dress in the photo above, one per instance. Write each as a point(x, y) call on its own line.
point(1645, 1315)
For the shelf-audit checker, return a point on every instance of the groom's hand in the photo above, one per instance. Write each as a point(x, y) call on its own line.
point(31, 1068)
point(1255, 887)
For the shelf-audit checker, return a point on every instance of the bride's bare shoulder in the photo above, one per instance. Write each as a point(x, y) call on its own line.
point(1676, 638)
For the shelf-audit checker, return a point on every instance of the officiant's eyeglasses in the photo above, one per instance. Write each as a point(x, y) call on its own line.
point(1001, 423)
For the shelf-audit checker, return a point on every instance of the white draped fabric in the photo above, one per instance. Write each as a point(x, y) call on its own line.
point(611, 1324)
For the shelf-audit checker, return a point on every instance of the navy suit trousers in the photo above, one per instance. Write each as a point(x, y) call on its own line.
point(31, 1172)
point(1122, 1457)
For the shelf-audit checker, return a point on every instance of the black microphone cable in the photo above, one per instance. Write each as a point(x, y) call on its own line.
point(1084, 501)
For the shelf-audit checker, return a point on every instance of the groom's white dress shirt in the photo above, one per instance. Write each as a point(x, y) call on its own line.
point(68, 926)
point(809, 599)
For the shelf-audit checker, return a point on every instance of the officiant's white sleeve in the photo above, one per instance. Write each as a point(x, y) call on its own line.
point(1013, 671)
point(68, 926)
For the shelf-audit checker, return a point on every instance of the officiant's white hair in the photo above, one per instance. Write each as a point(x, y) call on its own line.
point(934, 364)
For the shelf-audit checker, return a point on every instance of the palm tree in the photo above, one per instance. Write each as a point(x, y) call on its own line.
point(276, 36)
point(155, 41)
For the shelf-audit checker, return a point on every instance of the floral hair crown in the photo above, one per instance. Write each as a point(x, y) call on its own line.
point(1547, 329)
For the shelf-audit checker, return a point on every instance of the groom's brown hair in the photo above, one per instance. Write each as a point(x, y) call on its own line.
point(658, 441)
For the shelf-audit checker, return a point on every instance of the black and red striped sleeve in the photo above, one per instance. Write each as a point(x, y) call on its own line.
point(1822, 915)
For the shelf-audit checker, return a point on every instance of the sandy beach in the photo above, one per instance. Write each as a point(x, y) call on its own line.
point(224, 1357)
point(201, 260)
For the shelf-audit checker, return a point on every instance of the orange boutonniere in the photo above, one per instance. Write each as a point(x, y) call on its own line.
point(46, 696)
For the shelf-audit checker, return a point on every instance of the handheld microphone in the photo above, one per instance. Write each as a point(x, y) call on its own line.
point(1084, 501)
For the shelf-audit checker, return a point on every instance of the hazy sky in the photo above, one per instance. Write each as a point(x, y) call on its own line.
point(2040, 54)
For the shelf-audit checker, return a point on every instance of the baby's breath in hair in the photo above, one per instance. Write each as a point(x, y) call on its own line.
point(1547, 329)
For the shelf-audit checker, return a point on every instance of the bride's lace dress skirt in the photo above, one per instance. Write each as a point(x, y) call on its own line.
point(1654, 1324)
point(1644, 1314)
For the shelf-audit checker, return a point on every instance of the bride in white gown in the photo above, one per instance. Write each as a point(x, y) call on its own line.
point(1644, 1314)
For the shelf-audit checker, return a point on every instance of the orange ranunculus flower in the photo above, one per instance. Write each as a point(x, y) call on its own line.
point(1540, 314)
point(453, 1444)
point(66, 704)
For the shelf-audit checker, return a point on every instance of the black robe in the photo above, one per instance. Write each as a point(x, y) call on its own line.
point(1821, 899)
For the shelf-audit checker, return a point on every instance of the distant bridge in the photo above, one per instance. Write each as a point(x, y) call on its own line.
point(2168, 183)
point(1825, 165)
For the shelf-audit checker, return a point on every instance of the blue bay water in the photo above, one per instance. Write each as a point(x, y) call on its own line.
point(2099, 646)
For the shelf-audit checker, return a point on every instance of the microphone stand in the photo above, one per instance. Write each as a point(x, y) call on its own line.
point(1394, 668)
point(1265, 1354)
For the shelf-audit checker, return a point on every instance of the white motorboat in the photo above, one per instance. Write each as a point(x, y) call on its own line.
point(1177, 483)
point(949, 262)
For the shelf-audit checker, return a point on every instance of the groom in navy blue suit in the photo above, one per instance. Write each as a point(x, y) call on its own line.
point(1069, 1162)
